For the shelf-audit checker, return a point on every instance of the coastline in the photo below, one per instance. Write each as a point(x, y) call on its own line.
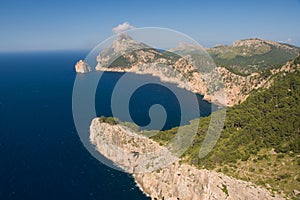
point(234, 89)
point(190, 86)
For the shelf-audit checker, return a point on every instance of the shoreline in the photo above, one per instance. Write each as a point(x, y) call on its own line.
point(207, 97)
point(138, 185)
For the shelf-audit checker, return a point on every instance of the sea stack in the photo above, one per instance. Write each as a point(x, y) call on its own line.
point(82, 67)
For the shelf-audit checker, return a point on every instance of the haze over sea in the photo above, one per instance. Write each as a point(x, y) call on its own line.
point(41, 154)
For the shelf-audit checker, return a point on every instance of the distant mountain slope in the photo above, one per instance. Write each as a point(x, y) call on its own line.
point(253, 55)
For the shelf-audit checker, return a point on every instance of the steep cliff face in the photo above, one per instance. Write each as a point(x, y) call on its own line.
point(159, 174)
point(238, 88)
point(182, 181)
point(82, 67)
point(132, 152)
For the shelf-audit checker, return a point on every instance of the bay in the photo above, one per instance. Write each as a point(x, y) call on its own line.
point(41, 155)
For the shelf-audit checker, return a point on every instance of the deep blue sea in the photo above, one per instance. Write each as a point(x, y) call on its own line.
point(41, 155)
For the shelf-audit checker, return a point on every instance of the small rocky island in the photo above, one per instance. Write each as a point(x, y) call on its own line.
point(82, 67)
point(161, 175)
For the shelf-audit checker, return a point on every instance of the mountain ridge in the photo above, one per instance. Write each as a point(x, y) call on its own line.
point(253, 55)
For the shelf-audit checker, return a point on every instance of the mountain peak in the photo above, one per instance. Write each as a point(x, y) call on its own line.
point(253, 42)
point(123, 37)
point(260, 43)
point(124, 43)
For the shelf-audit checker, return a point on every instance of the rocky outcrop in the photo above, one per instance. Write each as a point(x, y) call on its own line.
point(258, 43)
point(82, 67)
point(290, 66)
point(182, 181)
point(160, 175)
point(132, 152)
point(238, 88)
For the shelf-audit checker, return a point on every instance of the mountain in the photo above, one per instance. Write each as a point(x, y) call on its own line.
point(246, 66)
point(253, 55)
point(125, 52)
point(113, 55)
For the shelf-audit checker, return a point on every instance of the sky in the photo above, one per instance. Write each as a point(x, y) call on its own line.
point(33, 25)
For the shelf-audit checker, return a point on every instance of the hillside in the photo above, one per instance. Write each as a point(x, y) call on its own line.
point(253, 55)
point(260, 141)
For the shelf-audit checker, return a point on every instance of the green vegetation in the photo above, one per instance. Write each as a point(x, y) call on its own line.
point(122, 61)
point(255, 56)
point(114, 121)
point(267, 170)
point(296, 61)
point(109, 120)
point(246, 60)
point(240, 60)
point(260, 140)
point(225, 190)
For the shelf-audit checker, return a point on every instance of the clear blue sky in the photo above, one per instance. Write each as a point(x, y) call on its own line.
point(67, 24)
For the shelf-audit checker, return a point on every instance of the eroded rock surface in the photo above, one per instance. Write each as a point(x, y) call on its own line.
point(82, 67)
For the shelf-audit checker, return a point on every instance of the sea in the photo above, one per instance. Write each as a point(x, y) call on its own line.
point(41, 154)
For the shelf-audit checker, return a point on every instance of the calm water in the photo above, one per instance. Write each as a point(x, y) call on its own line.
point(41, 155)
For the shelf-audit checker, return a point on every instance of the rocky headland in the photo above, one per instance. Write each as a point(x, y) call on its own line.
point(160, 175)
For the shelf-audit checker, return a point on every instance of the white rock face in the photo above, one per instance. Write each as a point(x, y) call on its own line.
point(256, 42)
point(186, 182)
point(161, 176)
point(132, 152)
point(82, 67)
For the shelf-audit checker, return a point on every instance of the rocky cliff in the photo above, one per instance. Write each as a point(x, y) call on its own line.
point(82, 67)
point(161, 175)
point(236, 88)
point(132, 152)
